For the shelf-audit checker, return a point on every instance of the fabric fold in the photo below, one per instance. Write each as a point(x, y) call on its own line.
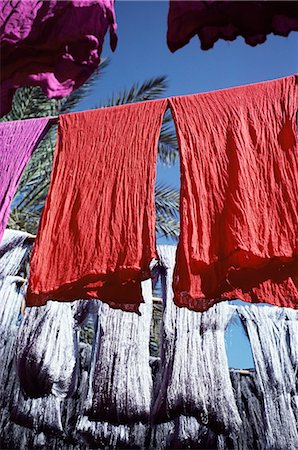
point(97, 233)
point(194, 375)
point(53, 44)
point(46, 351)
point(238, 202)
point(120, 384)
point(18, 140)
point(267, 331)
point(213, 20)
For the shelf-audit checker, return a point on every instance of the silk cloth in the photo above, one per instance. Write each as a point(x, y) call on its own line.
point(213, 20)
point(239, 203)
point(97, 233)
point(18, 141)
point(52, 44)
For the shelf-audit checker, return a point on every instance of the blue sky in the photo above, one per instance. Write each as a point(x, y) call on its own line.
point(142, 53)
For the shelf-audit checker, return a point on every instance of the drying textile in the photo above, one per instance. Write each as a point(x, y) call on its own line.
point(194, 374)
point(120, 386)
point(239, 204)
point(213, 20)
point(15, 247)
point(46, 351)
point(97, 233)
point(267, 331)
point(18, 141)
point(53, 44)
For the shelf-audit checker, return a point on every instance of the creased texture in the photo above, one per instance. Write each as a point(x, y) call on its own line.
point(97, 233)
point(194, 376)
point(53, 44)
point(266, 327)
point(120, 385)
point(250, 402)
point(238, 204)
point(213, 20)
point(18, 141)
point(46, 351)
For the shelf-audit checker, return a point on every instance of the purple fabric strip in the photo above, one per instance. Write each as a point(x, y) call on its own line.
point(18, 141)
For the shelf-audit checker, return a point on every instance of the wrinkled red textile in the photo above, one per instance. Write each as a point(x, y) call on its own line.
point(239, 202)
point(212, 20)
point(53, 44)
point(97, 234)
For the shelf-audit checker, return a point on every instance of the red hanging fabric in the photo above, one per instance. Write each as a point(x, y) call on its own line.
point(97, 234)
point(239, 202)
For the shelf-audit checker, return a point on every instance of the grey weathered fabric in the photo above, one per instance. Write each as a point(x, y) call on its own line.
point(194, 378)
point(182, 433)
point(14, 249)
point(250, 402)
point(120, 385)
point(103, 434)
point(46, 350)
point(267, 327)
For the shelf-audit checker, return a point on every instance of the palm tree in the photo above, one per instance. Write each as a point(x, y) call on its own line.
point(30, 102)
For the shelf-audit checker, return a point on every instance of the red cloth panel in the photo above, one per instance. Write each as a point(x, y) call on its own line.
point(239, 202)
point(97, 234)
point(212, 20)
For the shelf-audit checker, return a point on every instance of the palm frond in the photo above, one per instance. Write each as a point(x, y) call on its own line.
point(71, 101)
point(167, 200)
point(167, 211)
point(149, 90)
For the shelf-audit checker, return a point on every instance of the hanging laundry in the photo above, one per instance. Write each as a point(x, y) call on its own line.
point(267, 334)
point(238, 208)
point(194, 376)
point(213, 20)
point(103, 434)
point(250, 402)
point(18, 141)
point(120, 386)
point(97, 233)
point(46, 351)
point(14, 249)
point(53, 44)
point(40, 414)
point(183, 433)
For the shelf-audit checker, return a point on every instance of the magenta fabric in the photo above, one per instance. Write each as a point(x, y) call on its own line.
point(18, 140)
point(213, 20)
point(52, 44)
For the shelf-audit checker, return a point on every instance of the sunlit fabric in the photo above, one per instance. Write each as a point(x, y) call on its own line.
point(212, 20)
point(18, 140)
point(53, 44)
point(97, 233)
point(238, 204)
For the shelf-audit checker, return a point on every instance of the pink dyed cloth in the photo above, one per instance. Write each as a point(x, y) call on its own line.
point(213, 20)
point(18, 140)
point(52, 44)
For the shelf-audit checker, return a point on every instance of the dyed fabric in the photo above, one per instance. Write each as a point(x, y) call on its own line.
point(18, 141)
point(238, 204)
point(53, 44)
point(213, 20)
point(97, 233)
